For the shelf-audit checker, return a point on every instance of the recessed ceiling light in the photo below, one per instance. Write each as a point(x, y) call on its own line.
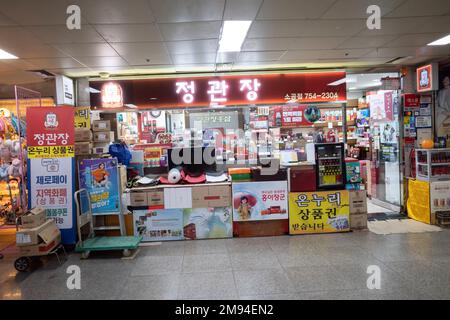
point(131, 106)
point(233, 35)
point(440, 42)
point(6, 55)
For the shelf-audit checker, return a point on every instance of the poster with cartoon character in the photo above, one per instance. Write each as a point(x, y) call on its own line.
point(100, 178)
point(254, 201)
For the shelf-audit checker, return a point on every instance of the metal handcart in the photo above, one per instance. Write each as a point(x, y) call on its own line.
point(91, 242)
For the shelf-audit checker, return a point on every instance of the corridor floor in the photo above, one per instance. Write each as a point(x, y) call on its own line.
point(333, 266)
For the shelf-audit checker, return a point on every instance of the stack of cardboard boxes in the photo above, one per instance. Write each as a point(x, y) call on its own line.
point(37, 235)
point(103, 136)
point(83, 141)
point(358, 209)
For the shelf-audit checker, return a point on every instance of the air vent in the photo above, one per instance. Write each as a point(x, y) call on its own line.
point(43, 74)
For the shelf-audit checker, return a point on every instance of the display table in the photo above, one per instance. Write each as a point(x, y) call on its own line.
point(178, 212)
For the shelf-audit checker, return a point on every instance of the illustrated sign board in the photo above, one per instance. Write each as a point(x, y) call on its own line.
point(427, 78)
point(100, 178)
point(83, 117)
point(158, 225)
point(221, 90)
point(319, 212)
point(260, 201)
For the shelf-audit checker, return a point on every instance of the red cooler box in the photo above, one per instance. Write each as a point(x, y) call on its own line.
point(302, 178)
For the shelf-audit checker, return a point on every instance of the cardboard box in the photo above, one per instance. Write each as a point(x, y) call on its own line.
point(358, 221)
point(42, 248)
point(104, 136)
point(42, 233)
point(138, 199)
point(100, 148)
point(358, 201)
point(211, 196)
point(156, 198)
point(34, 218)
point(101, 125)
point(83, 148)
point(83, 134)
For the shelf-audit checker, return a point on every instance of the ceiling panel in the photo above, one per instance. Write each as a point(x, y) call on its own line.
point(87, 50)
point(241, 10)
point(129, 32)
point(356, 9)
point(412, 40)
point(366, 42)
point(263, 44)
point(17, 36)
point(55, 63)
point(192, 46)
point(305, 28)
point(398, 26)
point(60, 34)
point(102, 61)
point(141, 49)
point(260, 56)
point(5, 21)
point(18, 77)
point(293, 9)
point(393, 52)
point(146, 58)
point(42, 12)
point(35, 51)
point(194, 58)
point(324, 54)
point(19, 64)
point(116, 11)
point(187, 10)
point(227, 57)
point(420, 8)
point(190, 30)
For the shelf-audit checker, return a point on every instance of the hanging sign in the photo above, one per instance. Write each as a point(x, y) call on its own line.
point(83, 117)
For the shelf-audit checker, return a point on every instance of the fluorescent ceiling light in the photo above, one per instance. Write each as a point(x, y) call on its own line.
point(93, 90)
point(132, 106)
point(341, 81)
point(440, 42)
point(233, 35)
point(6, 55)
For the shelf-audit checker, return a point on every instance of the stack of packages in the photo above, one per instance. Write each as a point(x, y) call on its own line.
point(37, 235)
point(103, 136)
point(358, 209)
point(83, 141)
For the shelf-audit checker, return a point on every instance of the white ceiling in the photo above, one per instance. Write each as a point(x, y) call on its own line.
point(156, 36)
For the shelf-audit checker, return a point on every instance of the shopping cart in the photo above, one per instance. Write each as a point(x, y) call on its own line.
point(88, 241)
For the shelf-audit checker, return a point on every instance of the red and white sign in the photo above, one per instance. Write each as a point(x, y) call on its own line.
point(411, 100)
point(427, 78)
point(50, 126)
point(221, 90)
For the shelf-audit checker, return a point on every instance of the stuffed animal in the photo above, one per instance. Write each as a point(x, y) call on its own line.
point(15, 169)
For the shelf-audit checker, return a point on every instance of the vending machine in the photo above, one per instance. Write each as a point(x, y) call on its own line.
point(330, 166)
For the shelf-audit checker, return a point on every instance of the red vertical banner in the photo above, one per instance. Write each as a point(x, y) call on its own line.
point(50, 132)
point(388, 105)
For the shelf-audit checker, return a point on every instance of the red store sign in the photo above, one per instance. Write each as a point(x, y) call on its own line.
point(222, 90)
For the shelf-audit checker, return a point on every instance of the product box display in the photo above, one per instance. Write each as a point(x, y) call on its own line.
point(83, 148)
point(155, 198)
point(358, 221)
point(207, 223)
point(34, 218)
point(319, 212)
point(42, 233)
point(358, 201)
point(100, 148)
point(211, 196)
point(138, 199)
point(260, 200)
point(83, 134)
point(104, 136)
point(101, 125)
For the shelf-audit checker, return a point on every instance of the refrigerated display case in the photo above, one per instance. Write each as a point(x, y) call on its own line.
point(330, 166)
point(433, 164)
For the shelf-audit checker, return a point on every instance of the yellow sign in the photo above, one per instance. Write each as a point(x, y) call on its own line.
point(418, 204)
point(83, 117)
point(319, 212)
point(50, 151)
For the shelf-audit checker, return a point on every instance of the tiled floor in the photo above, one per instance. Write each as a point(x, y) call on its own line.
point(333, 266)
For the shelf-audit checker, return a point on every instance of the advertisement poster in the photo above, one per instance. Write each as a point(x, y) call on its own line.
point(158, 225)
point(99, 177)
point(50, 132)
point(389, 132)
point(83, 117)
point(207, 223)
point(52, 188)
point(295, 116)
point(440, 196)
point(443, 109)
point(423, 122)
point(319, 212)
point(260, 201)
